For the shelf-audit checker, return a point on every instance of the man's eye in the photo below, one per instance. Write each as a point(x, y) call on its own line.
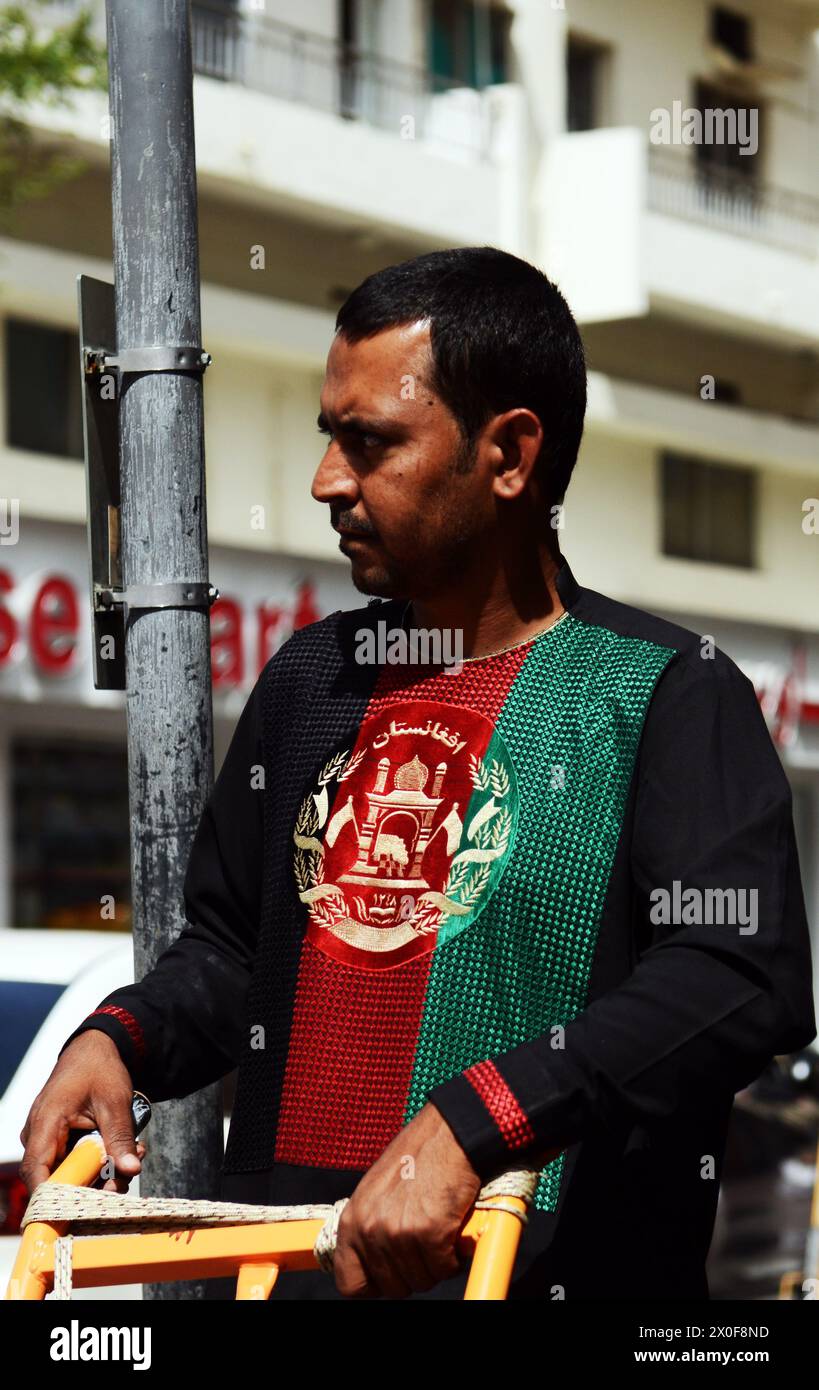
point(358, 438)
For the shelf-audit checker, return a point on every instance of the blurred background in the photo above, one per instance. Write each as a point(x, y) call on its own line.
point(335, 137)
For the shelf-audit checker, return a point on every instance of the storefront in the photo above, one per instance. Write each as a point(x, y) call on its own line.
point(63, 765)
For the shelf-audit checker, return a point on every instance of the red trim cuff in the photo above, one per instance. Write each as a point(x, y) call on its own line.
point(128, 1021)
point(485, 1117)
point(502, 1104)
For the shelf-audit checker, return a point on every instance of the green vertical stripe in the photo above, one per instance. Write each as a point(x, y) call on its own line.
point(572, 723)
point(474, 882)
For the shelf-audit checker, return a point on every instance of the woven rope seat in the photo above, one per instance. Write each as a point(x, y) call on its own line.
point(88, 1212)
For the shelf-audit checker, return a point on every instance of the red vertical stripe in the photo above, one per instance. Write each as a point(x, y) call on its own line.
point(354, 1030)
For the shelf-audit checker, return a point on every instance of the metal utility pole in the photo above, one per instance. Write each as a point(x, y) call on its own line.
point(163, 524)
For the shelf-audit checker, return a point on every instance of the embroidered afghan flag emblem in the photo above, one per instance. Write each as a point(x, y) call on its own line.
point(405, 837)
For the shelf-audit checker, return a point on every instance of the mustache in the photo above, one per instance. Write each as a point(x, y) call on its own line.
point(350, 523)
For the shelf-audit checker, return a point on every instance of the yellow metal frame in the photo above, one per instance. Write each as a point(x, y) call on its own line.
point(255, 1253)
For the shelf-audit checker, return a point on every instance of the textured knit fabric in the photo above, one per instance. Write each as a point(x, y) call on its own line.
point(418, 885)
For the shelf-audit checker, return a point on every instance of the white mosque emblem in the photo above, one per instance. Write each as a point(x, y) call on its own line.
point(397, 830)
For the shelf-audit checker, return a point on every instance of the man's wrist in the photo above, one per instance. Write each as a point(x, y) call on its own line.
point(452, 1136)
point(108, 1025)
point(96, 1036)
point(477, 1140)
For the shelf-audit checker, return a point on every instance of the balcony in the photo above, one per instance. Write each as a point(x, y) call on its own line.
point(716, 198)
point(319, 71)
point(302, 125)
point(629, 229)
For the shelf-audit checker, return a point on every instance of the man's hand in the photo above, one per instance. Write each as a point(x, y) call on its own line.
point(397, 1234)
point(89, 1088)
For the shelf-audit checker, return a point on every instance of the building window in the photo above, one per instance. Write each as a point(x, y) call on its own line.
point(468, 43)
point(43, 395)
point(732, 32)
point(215, 39)
point(708, 511)
point(585, 75)
point(347, 59)
point(738, 154)
point(70, 836)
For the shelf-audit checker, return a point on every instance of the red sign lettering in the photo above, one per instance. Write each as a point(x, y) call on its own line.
point(54, 625)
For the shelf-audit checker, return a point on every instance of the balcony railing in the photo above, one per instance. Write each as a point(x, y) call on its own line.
point(680, 187)
point(296, 65)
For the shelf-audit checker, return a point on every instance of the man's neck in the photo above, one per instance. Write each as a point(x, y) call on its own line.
point(503, 605)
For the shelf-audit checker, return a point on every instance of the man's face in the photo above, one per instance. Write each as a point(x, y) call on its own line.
point(394, 472)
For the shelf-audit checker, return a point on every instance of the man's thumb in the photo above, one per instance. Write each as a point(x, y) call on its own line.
point(117, 1130)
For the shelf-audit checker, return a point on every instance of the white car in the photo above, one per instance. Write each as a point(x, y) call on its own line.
point(49, 982)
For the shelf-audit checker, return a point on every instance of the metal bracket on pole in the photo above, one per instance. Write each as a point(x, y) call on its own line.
point(110, 602)
point(178, 358)
point(173, 595)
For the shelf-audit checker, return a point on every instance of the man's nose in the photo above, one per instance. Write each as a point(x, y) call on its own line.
point(333, 477)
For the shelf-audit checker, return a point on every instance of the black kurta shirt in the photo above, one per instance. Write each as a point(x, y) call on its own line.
point(666, 962)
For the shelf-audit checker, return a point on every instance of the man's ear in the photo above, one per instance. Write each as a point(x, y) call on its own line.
point(517, 437)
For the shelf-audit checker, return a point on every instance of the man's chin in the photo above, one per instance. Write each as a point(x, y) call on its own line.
point(369, 579)
point(377, 586)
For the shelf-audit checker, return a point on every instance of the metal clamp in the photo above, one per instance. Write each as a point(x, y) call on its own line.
point(111, 599)
point(177, 594)
point(178, 358)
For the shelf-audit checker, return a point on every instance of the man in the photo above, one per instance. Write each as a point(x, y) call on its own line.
point(539, 908)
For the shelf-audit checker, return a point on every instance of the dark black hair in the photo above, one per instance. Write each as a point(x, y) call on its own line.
point(502, 335)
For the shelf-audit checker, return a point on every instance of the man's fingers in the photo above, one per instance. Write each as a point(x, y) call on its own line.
point(404, 1261)
point(46, 1141)
point(349, 1271)
point(411, 1261)
point(123, 1184)
point(117, 1129)
point(352, 1280)
point(115, 1185)
point(382, 1261)
point(46, 1138)
point(34, 1171)
point(392, 1268)
point(386, 1271)
point(438, 1261)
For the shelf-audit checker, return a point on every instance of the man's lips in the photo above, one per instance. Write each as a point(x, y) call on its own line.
point(354, 535)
